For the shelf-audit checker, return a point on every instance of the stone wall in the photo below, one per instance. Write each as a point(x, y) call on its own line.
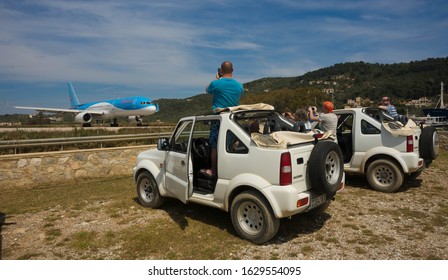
point(38, 169)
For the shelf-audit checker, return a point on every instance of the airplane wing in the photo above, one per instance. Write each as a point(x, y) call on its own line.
point(56, 110)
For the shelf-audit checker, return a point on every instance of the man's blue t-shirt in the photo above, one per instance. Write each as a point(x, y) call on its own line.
point(391, 110)
point(226, 92)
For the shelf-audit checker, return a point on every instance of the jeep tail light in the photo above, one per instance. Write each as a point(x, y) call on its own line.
point(302, 202)
point(285, 169)
point(410, 144)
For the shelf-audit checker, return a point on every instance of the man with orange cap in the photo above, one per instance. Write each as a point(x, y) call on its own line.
point(327, 119)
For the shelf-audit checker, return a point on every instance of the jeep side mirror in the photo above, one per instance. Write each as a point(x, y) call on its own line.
point(163, 144)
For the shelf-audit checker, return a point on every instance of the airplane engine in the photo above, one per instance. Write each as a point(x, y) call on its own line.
point(83, 118)
point(134, 119)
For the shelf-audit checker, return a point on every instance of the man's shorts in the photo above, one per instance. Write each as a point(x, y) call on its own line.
point(214, 131)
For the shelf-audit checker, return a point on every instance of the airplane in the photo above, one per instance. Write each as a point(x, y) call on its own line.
point(132, 108)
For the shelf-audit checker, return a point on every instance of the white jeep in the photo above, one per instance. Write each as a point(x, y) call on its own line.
point(384, 149)
point(262, 176)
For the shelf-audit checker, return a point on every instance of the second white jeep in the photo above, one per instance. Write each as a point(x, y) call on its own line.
point(385, 150)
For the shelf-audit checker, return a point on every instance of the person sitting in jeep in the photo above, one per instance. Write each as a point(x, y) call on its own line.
point(387, 106)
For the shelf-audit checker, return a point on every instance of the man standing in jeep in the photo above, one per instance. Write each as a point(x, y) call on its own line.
point(226, 92)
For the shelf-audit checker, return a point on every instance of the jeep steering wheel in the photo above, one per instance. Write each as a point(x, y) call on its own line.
point(201, 148)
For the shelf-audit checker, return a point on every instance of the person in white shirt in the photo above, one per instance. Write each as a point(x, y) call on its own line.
point(328, 121)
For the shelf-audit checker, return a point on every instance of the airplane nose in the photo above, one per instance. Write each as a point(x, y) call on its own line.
point(151, 109)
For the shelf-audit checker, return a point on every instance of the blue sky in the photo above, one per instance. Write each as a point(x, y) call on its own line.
point(171, 49)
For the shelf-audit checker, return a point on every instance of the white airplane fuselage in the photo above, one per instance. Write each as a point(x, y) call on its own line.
point(132, 108)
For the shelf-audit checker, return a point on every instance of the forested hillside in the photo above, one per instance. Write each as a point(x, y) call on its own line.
point(172, 110)
point(401, 81)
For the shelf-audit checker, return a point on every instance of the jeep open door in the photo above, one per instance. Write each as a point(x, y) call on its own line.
point(178, 164)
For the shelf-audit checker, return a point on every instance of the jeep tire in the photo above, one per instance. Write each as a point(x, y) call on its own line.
point(429, 145)
point(253, 218)
point(148, 191)
point(384, 175)
point(326, 168)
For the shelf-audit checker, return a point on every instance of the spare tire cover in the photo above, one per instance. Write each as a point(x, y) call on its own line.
point(429, 143)
point(325, 168)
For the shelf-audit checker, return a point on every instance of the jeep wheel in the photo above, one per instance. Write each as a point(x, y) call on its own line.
point(326, 168)
point(429, 145)
point(252, 217)
point(384, 175)
point(148, 191)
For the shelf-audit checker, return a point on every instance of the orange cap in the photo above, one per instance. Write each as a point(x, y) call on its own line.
point(329, 105)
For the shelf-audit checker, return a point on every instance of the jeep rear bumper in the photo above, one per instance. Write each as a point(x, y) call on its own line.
point(410, 162)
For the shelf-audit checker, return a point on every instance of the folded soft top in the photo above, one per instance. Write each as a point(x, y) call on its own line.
point(398, 129)
point(257, 106)
point(281, 139)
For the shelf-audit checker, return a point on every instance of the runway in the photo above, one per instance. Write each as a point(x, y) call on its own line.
point(71, 128)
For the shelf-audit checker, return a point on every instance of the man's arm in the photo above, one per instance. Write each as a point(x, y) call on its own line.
point(311, 115)
point(208, 87)
point(217, 77)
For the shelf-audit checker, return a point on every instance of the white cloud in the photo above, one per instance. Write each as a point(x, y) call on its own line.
point(107, 44)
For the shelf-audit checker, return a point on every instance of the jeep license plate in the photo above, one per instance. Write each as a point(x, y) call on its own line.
point(318, 200)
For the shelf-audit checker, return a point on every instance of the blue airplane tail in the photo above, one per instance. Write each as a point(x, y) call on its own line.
point(72, 95)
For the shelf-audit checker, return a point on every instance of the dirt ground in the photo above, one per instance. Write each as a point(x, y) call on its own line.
point(360, 224)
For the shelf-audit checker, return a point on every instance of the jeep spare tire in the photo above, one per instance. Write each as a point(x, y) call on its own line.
point(429, 144)
point(325, 168)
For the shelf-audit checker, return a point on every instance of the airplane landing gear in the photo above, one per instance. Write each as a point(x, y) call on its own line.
point(114, 123)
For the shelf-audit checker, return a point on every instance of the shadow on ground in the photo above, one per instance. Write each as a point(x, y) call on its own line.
point(360, 182)
point(289, 229)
